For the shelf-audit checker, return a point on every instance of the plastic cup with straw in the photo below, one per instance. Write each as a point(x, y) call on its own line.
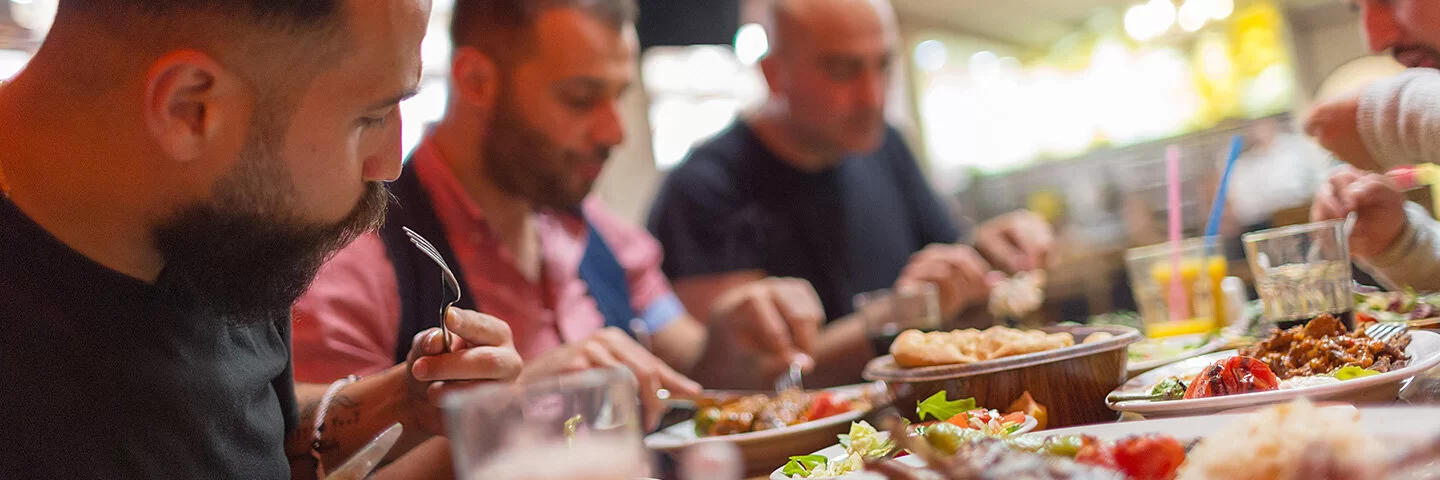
point(1212, 226)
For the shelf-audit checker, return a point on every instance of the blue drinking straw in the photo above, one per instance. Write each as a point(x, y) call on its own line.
point(1218, 207)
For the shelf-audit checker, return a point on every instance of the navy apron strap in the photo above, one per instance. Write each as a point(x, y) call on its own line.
point(606, 280)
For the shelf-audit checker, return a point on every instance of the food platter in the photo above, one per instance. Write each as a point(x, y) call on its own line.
point(1418, 310)
point(1424, 351)
point(1091, 369)
point(1398, 427)
point(769, 448)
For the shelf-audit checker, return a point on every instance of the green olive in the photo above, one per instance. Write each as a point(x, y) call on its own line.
point(1063, 446)
point(948, 438)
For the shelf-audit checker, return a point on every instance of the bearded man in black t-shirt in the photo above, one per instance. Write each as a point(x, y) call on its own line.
point(175, 173)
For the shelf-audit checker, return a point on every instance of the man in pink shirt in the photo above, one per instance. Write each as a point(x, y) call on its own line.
point(500, 186)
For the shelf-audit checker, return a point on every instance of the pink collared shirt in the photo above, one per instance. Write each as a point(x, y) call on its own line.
point(349, 320)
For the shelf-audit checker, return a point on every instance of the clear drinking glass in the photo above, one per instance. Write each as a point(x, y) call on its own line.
point(584, 425)
point(1302, 272)
point(887, 312)
point(1202, 267)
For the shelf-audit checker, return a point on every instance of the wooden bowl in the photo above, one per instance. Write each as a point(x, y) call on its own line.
point(1070, 382)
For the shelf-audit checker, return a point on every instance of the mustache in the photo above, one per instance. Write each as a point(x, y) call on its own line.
point(1401, 52)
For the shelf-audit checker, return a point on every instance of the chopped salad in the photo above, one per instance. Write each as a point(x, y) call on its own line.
point(963, 413)
point(954, 420)
point(862, 443)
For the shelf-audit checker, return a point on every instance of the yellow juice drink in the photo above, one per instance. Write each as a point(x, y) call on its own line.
point(1216, 268)
point(1205, 312)
point(1201, 269)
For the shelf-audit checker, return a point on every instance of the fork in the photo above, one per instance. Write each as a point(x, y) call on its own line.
point(1384, 332)
point(447, 277)
point(790, 380)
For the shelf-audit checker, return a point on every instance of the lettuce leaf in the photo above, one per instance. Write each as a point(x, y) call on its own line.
point(1351, 372)
point(804, 465)
point(941, 409)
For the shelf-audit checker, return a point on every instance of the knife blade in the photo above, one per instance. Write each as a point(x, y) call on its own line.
point(364, 461)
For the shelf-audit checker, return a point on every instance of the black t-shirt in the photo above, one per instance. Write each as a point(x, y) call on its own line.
point(734, 205)
point(103, 378)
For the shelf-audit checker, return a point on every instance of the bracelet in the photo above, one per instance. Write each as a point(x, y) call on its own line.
point(325, 407)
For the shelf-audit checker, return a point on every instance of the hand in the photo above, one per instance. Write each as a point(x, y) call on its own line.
point(777, 318)
point(1334, 125)
point(612, 347)
point(481, 350)
point(1377, 202)
point(958, 272)
point(1016, 242)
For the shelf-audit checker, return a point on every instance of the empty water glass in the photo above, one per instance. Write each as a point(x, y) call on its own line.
point(584, 425)
point(1302, 272)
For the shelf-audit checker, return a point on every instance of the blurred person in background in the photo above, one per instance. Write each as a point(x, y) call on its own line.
point(816, 185)
point(175, 172)
point(501, 187)
point(1390, 123)
point(1277, 170)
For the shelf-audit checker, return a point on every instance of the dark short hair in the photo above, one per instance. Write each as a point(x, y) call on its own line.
point(285, 41)
point(503, 28)
point(314, 27)
point(289, 15)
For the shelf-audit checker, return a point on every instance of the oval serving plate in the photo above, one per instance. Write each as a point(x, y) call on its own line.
point(765, 448)
point(1424, 351)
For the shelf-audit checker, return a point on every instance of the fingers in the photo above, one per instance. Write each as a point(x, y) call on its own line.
point(482, 351)
point(1327, 205)
point(478, 329)
point(475, 363)
point(651, 374)
point(766, 325)
point(1035, 239)
point(1333, 200)
point(426, 343)
point(957, 271)
point(1373, 191)
point(1340, 184)
point(1002, 248)
point(643, 363)
point(801, 309)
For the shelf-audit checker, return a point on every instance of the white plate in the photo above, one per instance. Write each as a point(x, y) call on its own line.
point(767, 449)
point(682, 435)
point(1136, 368)
point(1385, 422)
point(1424, 351)
point(837, 451)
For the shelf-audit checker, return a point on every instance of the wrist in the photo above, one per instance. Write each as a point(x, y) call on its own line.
point(1394, 250)
point(401, 393)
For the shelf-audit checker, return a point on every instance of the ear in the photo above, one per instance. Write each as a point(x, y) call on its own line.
point(475, 77)
point(187, 97)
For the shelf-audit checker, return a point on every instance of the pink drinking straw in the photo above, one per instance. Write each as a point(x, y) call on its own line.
point(1178, 305)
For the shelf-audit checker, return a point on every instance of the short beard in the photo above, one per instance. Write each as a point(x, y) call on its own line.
point(245, 255)
point(524, 163)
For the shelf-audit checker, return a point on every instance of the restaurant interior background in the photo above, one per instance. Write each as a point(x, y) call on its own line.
point(1061, 106)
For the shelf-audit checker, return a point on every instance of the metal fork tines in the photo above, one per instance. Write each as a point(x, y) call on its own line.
point(791, 379)
point(447, 277)
point(1384, 332)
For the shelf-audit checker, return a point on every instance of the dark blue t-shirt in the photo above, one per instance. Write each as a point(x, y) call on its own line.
point(105, 377)
point(734, 205)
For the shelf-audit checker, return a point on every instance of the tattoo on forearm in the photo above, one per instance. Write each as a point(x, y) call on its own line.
point(344, 411)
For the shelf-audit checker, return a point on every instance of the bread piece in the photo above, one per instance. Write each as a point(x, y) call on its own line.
point(914, 348)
